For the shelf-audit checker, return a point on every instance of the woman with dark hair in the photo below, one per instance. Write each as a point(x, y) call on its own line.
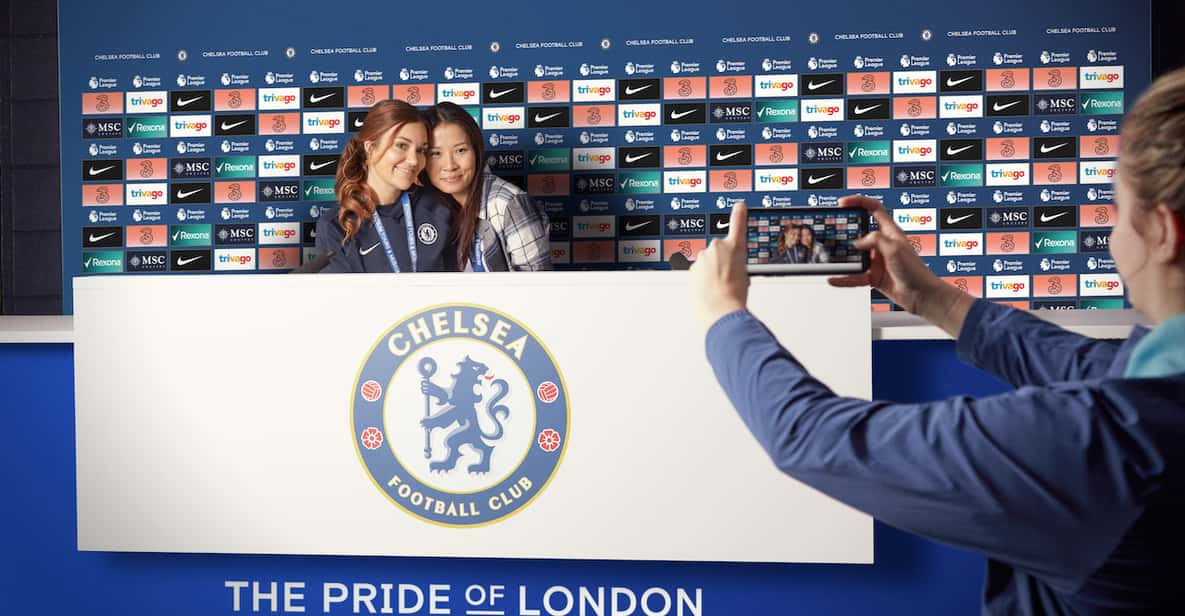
point(498, 226)
point(815, 252)
point(382, 223)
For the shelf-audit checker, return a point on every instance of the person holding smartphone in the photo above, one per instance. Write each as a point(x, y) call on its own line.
point(382, 222)
point(499, 226)
point(1073, 485)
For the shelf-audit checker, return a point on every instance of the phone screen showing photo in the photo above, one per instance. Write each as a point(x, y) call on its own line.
point(805, 241)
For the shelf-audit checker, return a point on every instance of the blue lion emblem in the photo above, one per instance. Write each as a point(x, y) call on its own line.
point(460, 408)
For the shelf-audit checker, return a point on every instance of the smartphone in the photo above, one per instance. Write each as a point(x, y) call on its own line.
point(806, 240)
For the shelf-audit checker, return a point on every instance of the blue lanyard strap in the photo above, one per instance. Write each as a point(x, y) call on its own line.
point(478, 259)
point(411, 236)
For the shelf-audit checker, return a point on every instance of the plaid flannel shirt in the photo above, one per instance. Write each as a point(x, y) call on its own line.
point(519, 223)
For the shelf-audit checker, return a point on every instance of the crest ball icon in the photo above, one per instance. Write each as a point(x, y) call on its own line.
point(547, 391)
point(371, 391)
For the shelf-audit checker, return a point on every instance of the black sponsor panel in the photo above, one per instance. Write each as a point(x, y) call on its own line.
point(685, 224)
point(189, 168)
point(354, 120)
point(235, 234)
point(594, 183)
point(516, 179)
point(644, 157)
point(822, 153)
point(146, 261)
point(1048, 216)
point(639, 89)
point(914, 177)
point(102, 237)
point(1008, 217)
point(1055, 304)
point(323, 97)
point(1055, 147)
point(559, 116)
point(635, 226)
point(684, 113)
point(102, 170)
point(1055, 104)
point(186, 193)
point(102, 128)
point(227, 124)
point(718, 224)
point(503, 93)
point(319, 164)
point(953, 218)
point(727, 113)
point(506, 160)
point(824, 84)
point(869, 108)
point(308, 232)
point(725, 155)
point(1098, 240)
point(559, 227)
point(279, 190)
point(960, 81)
point(190, 260)
point(1005, 105)
point(190, 101)
point(950, 150)
point(821, 178)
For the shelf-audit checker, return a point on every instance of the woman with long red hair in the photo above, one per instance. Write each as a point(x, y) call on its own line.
point(382, 222)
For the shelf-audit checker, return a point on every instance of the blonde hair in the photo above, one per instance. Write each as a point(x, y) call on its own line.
point(1152, 149)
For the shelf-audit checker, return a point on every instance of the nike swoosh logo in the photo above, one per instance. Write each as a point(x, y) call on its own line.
point(675, 115)
point(366, 251)
point(358, 122)
point(1045, 150)
point(182, 102)
point(226, 126)
point(951, 220)
point(100, 238)
point(182, 261)
point(94, 171)
point(539, 118)
point(950, 83)
point(501, 93)
point(999, 107)
point(1045, 218)
point(630, 91)
point(316, 166)
point(316, 98)
point(181, 194)
point(863, 110)
point(810, 85)
point(720, 224)
point(723, 156)
point(814, 180)
point(952, 151)
point(631, 158)
point(629, 227)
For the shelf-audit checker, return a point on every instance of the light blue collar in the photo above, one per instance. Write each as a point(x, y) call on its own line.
point(1161, 352)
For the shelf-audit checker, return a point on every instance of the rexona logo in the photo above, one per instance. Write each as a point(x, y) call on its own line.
point(776, 111)
point(771, 180)
point(324, 122)
point(1008, 175)
point(147, 194)
point(1055, 242)
point(319, 190)
point(189, 126)
point(642, 114)
point(146, 102)
point(823, 110)
point(1096, 173)
point(459, 93)
point(915, 82)
point(189, 235)
point(919, 219)
point(955, 244)
point(586, 159)
point(592, 90)
point(279, 166)
point(1100, 77)
point(915, 151)
point(503, 118)
point(459, 414)
point(1099, 284)
point(638, 251)
point(1007, 286)
point(102, 262)
point(234, 167)
point(869, 152)
point(639, 182)
point(684, 181)
point(1102, 103)
point(147, 127)
point(776, 85)
point(553, 159)
point(279, 233)
point(960, 175)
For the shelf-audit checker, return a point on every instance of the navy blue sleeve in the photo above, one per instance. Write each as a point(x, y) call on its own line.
point(1044, 479)
point(1025, 350)
point(329, 238)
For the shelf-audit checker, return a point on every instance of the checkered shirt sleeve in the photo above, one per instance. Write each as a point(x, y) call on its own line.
point(520, 224)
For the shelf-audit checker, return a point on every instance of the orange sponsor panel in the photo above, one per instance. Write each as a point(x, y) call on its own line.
point(972, 285)
point(279, 124)
point(140, 169)
point(420, 94)
point(1055, 78)
point(926, 245)
point(238, 191)
point(685, 87)
point(548, 91)
point(1007, 148)
point(1055, 173)
point(1099, 215)
point(273, 258)
point(1008, 243)
point(1006, 79)
point(689, 248)
point(593, 116)
point(775, 154)
point(366, 96)
point(870, 83)
point(731, 180)
point(593, 251)
point(868, 178)
point(102, 194)
point(685, 156)
point(1017, 305)
point(883, 307)
point(235, 99)
point(730, 86)
point(147, 236)
point(1055, 285)
point(102, 102)
point(548, 184)
point(915, 107)
point(1098, 146)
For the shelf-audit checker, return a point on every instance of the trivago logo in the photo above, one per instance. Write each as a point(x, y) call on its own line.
point(1100, 77)
point(1100, 284)
point(915, 151)
point(1007, 286)
point(279, 233)
point(638, 251)
point(459, 93)
point(324, 122)
point(279, 166)
point(822, 110)
point(142, 102)
point(1096, 173)
point(147, 194)
point(776, 85)
point(1008, 175)
point(960, 244)
point(961, 107)
point(920, 219)
point(593, 226)
point(684, 181)
point(593, 158)
point(271, 99)
point(189, 126)
point(915, 82)
point(647, 114)
point(234, 259)
point(503, 118)
point(771, 180)
point(588, 90)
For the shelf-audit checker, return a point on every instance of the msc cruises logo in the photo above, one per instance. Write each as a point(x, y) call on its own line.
point(460, 415)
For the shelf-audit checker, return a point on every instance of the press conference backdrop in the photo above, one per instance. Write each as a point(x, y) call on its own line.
point(205, 139)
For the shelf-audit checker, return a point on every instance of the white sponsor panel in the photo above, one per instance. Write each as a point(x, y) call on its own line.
point(640, 114)
point(593, 90)
point(593, 226)
point(234, 259)
point(585, 159)
point(915, 151)
point(639, 251)
point(1011, 174)
point(1096, 172)
point(960, 244)
point(684, 181)
point(1100, 77)
point(459, 93)
point(1007, 286)
point(323, 122)
point(916, 219)
point(821, 110)
point(561, 252)
point(767, 86)
point(279, 166)
point(190, 126)
point(1100, 285)
point(279, 99)
point(271, 233)
point(776, 179)
point(146, 102)
point(147, 194)
point(968, 106)
point(503, 118)
point(915, 82)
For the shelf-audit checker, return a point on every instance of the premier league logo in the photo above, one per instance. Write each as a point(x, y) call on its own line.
point(460, 415)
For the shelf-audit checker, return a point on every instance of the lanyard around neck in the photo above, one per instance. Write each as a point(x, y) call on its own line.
point(411, 236)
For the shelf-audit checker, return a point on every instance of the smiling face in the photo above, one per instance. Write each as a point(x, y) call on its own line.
point(395, 159)
point(452, 162)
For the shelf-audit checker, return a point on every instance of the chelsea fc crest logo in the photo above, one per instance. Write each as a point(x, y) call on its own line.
point(460, 415)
